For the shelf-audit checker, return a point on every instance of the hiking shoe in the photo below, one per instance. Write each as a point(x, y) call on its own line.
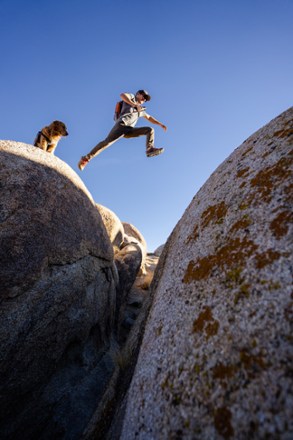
point(83, 162)
point(150, 152)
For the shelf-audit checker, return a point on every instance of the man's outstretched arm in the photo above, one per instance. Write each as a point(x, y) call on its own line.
point(155, 121)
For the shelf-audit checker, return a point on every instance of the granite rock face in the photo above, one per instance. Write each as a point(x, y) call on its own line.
point(70, 314)
point(133, 235)
point(113, 226)
point(159, 250)
point(42, 215)
point(58, 297)
point(216, 357)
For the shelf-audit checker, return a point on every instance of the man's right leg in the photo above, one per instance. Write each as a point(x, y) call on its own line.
point(149, 132)
point(116, 133)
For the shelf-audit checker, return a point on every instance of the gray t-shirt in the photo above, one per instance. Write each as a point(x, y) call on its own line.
point(129, 115)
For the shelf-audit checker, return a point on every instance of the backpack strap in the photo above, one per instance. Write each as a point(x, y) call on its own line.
point(46, 137)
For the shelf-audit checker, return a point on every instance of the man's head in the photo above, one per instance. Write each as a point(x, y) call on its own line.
point(143, 95)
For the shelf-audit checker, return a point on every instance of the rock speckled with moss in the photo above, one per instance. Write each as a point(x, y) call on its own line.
point(216, 358)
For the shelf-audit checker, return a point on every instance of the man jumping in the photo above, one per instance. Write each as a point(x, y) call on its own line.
point(131, 111)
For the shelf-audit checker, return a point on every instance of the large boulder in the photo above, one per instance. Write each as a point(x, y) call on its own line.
point(113, 226)
point(43, 221)
point(57, 297)
point(159, 250)
point(216, 357)
point(133, 235)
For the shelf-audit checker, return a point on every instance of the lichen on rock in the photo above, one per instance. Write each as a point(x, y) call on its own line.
point(215, 354)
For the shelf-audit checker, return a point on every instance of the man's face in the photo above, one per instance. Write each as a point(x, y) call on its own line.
point(140, 98)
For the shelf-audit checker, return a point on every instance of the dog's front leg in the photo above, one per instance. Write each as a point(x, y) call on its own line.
point(42, 143)
point(51, 148)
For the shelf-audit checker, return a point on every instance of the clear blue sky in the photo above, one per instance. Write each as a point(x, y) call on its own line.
point(217, 71)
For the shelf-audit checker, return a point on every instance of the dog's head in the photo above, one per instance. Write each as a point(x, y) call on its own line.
point(58, 128)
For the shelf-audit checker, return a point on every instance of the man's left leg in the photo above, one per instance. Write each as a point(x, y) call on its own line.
point(149, 132)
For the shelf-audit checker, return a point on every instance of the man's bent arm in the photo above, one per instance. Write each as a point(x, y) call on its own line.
point(155, 121)
point(126, 97)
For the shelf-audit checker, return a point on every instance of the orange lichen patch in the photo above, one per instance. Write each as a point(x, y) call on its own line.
point(242, 293)
point(250, 361)
point(167, 385)
point(247, 202)
point(270, 285)
point(247, 151)
point(284, 133)
point(247, 361)
point(268, 178)
point(204, 316)
point(221, 371)
point(222, 420)
point(194, 235)
point(280, 224)
point(289, 193)
point(267, 153)
point(243, 223)
point(243, 173)
point(199, 270)
point(266, 258)
point(212, 328)
point(233, 254)
point(243, 205)
point(206, 323)
point(214, 213)
point(234, 277)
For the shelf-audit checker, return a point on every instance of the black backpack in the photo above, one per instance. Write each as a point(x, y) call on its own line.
point(118, 108)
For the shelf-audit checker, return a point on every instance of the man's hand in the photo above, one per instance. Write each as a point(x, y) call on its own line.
point(155, 121)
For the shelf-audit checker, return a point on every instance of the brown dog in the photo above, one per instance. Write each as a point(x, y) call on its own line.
point(48, 138)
